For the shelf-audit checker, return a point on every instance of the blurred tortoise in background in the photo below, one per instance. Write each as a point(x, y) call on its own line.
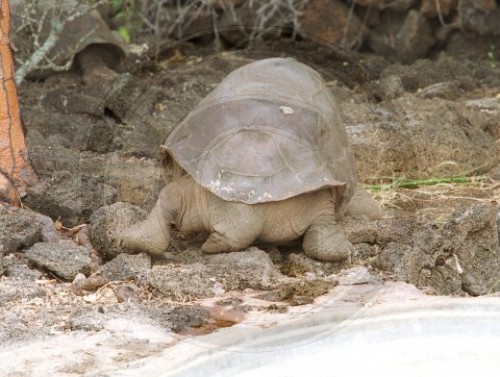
point(87, 39)
point(268, 161)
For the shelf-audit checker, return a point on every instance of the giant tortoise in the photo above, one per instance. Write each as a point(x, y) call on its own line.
point(268, 160)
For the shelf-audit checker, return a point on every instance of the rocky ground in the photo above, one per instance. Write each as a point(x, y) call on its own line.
point(72, 303)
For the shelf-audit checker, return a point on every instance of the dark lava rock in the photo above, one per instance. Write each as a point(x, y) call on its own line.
point(472, 238)
point(71, 198)
point(126, 267)
point(65, 259)
point(16, 267)
point(137, 181)
point(411, 250)
point(184, 283)
point(480, 16)
point(461, 257)
point(484, 113)
point(251, 268)
point(215, 274)
point(66, 100)
point(184, 317)
point(19, 228)
point(402, 37)
point(130, 99)
point(50, 155)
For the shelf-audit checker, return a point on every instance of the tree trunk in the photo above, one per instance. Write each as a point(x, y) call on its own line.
point(16, 172)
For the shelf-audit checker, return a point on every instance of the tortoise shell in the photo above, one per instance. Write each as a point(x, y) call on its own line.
point(269, 131)
point(87, 30)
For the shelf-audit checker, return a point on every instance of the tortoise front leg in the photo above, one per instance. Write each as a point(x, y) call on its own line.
point(153, 234)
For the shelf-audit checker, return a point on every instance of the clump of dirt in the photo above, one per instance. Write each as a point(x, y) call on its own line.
point(198, 320)
point(299, 293)
point(297, 265)
point(184, 317)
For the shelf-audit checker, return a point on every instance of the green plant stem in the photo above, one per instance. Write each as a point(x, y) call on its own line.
point(413, 183)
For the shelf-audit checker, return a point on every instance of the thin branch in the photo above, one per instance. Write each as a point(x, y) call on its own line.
point(440, 14)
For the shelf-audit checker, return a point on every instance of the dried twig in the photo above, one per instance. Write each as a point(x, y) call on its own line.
point(272, 16)
point(440, 14)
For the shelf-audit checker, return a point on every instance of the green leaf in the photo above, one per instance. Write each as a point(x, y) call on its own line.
point(123, 31)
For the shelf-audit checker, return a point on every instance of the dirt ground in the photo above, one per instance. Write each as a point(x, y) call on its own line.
point(434, 122)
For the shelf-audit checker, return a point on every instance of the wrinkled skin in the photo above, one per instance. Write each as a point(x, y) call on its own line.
point(234, 226)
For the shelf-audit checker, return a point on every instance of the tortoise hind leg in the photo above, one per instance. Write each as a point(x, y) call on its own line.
point(234, 226)
point(218, 243)
point(325, 240)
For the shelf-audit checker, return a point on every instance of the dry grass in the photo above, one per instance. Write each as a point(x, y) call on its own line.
point(437, 201)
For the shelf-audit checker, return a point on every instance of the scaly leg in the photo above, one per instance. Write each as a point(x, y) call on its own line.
point(325, 240)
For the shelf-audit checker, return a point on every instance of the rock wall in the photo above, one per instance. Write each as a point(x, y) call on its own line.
point(400, 30)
